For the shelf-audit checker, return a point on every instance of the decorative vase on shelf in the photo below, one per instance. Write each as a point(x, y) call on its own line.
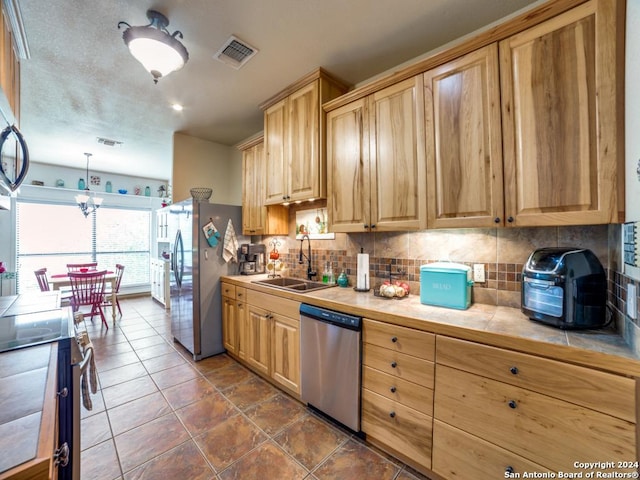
point(81, 184)
point(108, 188)
point(343, 280)
point(147, 191)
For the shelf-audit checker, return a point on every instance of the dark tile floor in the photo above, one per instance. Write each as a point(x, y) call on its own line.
point(158, 414)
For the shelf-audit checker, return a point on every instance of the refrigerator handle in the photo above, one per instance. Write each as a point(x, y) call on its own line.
point(178, 259)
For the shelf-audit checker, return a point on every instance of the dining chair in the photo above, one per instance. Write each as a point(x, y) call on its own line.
point(43, 283)
point(108, 293)
point(88, 291)
point(79, 267)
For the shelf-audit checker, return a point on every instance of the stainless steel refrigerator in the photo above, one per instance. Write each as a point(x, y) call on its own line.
point(196, 267)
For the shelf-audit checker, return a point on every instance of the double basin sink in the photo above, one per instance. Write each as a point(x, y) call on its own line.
point(293, 284)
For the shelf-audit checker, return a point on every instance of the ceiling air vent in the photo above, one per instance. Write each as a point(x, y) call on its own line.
point(235, 52)
point(108, 142)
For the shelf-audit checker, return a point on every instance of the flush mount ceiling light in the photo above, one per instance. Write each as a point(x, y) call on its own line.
point(152, 45)
point(87, 203)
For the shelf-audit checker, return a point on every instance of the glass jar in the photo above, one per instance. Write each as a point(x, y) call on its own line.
point(343, 280)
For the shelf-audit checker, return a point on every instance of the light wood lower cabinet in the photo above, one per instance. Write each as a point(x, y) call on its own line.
point(397, 391)
point(460, 455)
point(234, 319)
point(273, 339)
point(546, 412)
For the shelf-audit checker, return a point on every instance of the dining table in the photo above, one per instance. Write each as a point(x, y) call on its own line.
point(61, 280)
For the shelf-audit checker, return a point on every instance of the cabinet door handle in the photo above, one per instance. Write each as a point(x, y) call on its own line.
point(514, 370)
point(239, 294)
point(366, 226)
point(373, 225)
point(512, 404)
point(392, 414)
point(393, 389)
point(394, 364)
point(394, 339)
point(496, 220)
point(510, 219)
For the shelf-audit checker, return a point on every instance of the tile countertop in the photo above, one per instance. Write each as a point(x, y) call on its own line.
point(503, 327)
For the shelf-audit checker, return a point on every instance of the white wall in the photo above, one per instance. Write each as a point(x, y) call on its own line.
point(200, 163)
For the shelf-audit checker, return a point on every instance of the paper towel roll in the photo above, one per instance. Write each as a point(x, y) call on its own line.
point(362, 276)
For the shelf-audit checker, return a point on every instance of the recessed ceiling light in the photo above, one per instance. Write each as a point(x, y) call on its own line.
point(177, 107)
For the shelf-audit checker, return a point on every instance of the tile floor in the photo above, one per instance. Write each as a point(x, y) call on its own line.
point(157, 414)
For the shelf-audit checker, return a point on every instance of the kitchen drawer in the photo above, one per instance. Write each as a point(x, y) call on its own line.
point(228, 290)
point(401, 339)
point(457, 454)
point(401, 428)
point(241, 294)
point(274, 304)
point(408, 368)
point(399, 390)
point(604, 392)
point(545, 430)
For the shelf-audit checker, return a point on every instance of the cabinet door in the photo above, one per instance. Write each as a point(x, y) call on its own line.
point(348, 168)
point(560, 113)
point(396, 157)
point(254, 212)
point(305, 177)
point(464, 142)
point(258, 338)
point(276, 167)
point(285, 365)
point(229, 325)
point(241, 317)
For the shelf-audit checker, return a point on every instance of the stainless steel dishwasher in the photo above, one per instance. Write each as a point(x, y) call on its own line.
point(330, 350)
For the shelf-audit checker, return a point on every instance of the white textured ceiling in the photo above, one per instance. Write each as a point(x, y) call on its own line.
point(81, 82)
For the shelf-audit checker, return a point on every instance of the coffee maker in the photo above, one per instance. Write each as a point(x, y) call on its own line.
point(251, 257)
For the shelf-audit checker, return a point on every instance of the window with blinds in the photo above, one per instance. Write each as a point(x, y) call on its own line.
point(52, 235)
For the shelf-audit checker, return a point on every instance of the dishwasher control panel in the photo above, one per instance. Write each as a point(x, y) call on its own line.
point(337, 318)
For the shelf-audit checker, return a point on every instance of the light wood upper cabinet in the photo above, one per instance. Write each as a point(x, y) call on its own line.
point(9, 68)
point(464, 142)
point(294, 132)
point(348, 167)
point(376, 163)
point(258, 219)
point(561, 112)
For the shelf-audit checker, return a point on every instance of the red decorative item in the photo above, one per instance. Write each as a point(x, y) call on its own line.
point(2, 269)
point(274, 255)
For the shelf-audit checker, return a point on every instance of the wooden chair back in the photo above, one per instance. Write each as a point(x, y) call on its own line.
point(43, 281)
point(76, 267)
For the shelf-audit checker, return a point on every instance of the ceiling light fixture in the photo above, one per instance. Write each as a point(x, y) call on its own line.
point(177, 107)
point(87, 203)
point(152, 45)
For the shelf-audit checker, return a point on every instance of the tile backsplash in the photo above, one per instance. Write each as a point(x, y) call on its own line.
point(503, 252)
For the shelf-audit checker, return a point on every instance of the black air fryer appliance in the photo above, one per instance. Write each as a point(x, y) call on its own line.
point(565, 287)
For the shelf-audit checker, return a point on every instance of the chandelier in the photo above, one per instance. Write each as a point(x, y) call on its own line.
point(152, 45)
point(87, 203)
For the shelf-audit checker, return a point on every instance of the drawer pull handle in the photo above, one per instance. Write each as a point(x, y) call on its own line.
point(509, 470)
point(512, 404)
point(514, 370)
point(392, 414)
point(394, 339)
point(394, 364)
point(393, 389)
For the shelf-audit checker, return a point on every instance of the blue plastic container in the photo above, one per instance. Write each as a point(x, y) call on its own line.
point(445, 284)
